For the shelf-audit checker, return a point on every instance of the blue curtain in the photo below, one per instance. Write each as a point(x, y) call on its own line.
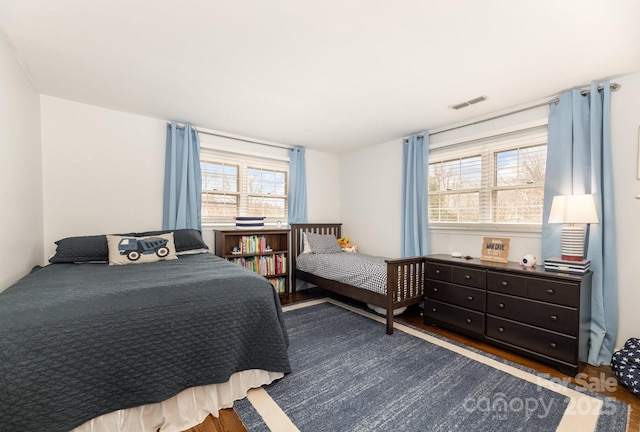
point(415, 217)
point(579, 161)
point(182, 179)
point(297, 186)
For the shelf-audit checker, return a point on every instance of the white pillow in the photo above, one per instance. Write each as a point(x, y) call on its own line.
point(140, 250)
point(306, 247)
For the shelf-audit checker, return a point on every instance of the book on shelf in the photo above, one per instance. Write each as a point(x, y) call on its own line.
point(279, 285)
point(253, 244)
point(267, 265)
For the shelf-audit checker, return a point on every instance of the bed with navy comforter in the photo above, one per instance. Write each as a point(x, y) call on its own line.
point(81, 340)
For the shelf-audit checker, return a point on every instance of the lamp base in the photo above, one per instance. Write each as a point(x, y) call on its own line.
point(572, 243)
point(571, 258)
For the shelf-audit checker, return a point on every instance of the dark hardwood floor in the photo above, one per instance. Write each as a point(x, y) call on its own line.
point(593, 377)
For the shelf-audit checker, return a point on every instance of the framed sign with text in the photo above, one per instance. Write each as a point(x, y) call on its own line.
point(495, 249)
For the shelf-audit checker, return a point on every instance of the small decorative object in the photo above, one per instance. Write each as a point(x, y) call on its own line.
point(235, 250)
point(346, 245)
point(268, 248)
point(495, 249)
point(343, 241)
point(528, 260)
point(250, 222)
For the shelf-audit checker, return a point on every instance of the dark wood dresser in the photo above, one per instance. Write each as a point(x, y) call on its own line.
point(539, 314)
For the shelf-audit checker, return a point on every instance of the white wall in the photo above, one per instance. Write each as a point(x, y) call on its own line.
point(625, 124)
point(370, 198)
point(20, 170)
point(104, 171)
point(323, 186)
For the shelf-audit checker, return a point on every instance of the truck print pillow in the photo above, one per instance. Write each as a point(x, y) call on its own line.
point(139, 250)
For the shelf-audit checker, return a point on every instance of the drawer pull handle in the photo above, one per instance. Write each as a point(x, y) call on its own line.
point(504, 283)
point(553, 345)
point(467, 276)
point(437, 271)
point(469, 320)
point(501, 329)
point(435, 290)
point(470, 298)
point(434, 310)
point(501, 305)
point(550, 291)
point(554, 317)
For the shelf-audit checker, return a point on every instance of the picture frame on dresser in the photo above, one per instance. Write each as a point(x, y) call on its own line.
point(535, 313)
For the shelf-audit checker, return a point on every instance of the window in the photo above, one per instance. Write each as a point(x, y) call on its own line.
point(498, 180)
point(518, 185)
point(454, 189)
point(242, 185)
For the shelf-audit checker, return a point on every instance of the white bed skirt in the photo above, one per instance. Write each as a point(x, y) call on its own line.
point(383, 311)
point(183, 411)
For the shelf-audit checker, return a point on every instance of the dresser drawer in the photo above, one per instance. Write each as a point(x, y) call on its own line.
point(507, 283)
point(563, 293)
point(552, 317)
point(460, 317)
point(438, 271)
point(471, 298)
point(470, 277)
point(534, 339)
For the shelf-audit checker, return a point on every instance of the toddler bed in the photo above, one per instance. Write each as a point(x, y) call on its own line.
point(385, 283)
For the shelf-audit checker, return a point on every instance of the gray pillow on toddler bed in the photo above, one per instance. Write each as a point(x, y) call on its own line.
point(323, 243)
point(95, 248)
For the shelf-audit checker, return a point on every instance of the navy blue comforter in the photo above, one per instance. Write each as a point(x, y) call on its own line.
point(81, 340)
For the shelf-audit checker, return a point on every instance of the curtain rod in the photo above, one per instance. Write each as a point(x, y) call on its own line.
point(221, 135)
point(555, 101)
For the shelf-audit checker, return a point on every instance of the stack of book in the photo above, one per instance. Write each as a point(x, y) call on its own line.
point(564, 266)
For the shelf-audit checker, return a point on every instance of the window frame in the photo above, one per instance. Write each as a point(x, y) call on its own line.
point(488, 147)
point(244, 162)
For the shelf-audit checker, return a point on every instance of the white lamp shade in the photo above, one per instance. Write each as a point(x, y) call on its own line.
point(573, 209)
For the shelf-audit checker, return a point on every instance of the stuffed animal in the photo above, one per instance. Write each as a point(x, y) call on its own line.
point(346, 245)
point(528, 261)
point(344, 242)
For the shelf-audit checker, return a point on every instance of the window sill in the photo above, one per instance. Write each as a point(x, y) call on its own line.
point(522, 230)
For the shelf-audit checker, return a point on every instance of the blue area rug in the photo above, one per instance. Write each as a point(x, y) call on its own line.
point(348, 375)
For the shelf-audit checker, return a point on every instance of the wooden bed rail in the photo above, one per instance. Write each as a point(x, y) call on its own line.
point(405, 284)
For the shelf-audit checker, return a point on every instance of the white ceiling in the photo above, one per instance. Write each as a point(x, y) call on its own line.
point(331, 75)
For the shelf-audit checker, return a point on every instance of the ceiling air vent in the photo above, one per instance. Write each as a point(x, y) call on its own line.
point(469, 102)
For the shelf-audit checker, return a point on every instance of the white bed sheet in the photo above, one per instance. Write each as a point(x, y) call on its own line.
point(183, 411)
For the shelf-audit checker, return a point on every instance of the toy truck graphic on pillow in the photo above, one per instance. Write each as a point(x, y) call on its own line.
point(134, 248)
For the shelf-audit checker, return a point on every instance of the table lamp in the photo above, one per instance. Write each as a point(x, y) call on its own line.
point(572, 210)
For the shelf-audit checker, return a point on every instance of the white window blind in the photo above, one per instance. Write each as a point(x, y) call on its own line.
point(242, 185)
point(496, 180)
